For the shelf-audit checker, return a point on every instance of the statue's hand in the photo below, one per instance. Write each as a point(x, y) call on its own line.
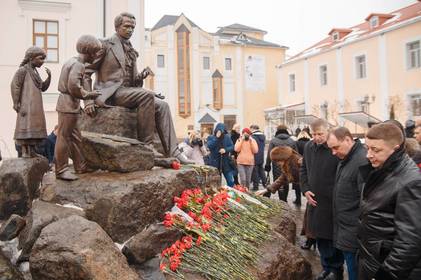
point(90, 110)
point(48, 72)
point(16, 107)
point(145, 73)
point(92, 94)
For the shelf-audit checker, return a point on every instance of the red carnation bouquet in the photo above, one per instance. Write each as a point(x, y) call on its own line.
point(222, 232)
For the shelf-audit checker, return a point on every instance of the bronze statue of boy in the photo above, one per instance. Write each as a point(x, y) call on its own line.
point(72, 89)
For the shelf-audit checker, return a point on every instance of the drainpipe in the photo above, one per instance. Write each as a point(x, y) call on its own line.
point(104, 2)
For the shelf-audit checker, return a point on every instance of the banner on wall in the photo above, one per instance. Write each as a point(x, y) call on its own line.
point(255, 73)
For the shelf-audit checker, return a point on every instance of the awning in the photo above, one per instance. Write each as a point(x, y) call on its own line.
point(296, 106)
point(307, 119)
point(207, 119)
point(360, 118)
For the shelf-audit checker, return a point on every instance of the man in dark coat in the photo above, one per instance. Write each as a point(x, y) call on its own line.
point(389, 232)
point(120, 84)
point(235, 135)
point(317, 177)
point(347, 194)
point(220, 146)
point(282, 138)
point(259, 158)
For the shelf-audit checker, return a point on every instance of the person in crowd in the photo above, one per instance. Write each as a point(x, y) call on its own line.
point(413, 150)
point(346, 194)
point(409, 129)
point(235, 135)
point(220, 146)
point(317, 177)
point(282, 138)
point(51, 144)
point(259, 158)
point(289, 161)
point(195, 149)
point(246, 147)
point(302, 139)
point(417, 133)
point(389, 223)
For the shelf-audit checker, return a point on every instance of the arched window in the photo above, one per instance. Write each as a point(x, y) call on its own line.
point(183, 71)
point(217, 90)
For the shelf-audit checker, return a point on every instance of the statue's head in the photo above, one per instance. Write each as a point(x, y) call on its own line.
point(34, 55)
point(89, 46)
point(124, 25)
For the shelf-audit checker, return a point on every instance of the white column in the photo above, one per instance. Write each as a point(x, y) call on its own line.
point(239, 81)
point(171, 94)
point(340, 86)
point(195, 74)
point(384, 87)
point(307, 107)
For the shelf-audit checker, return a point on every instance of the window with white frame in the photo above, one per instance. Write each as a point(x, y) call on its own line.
point(291, 82)
point(160, 61)
point(206, 63)
point(45, 35)
point(413, 54)
point(360, 67)
point(228, 64)
point(374, 21)
point(415, 105)
point(335, 36)
point(323, 75)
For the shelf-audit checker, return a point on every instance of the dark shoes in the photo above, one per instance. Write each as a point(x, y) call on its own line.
point(334, 276)
point(297, 202)
point(322, 275)
point(308, 244)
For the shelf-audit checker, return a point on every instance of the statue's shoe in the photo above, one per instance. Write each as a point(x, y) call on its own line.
point(67, 176)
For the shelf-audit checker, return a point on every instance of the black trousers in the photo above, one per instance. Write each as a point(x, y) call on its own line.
point(258, 175)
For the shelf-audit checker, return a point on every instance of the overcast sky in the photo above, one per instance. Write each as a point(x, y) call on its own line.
point(297, 24)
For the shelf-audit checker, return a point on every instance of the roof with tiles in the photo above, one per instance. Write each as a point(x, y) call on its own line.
point(362, 30)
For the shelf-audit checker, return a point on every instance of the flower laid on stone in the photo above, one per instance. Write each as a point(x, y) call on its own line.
point(222, 233)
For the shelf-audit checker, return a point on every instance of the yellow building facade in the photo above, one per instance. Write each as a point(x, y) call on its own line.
point(228, 76)
point(367, 73)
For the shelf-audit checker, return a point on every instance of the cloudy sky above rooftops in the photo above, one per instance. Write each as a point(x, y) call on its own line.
point(297, 24)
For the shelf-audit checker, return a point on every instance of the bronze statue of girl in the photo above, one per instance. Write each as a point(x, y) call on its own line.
point(26, 88)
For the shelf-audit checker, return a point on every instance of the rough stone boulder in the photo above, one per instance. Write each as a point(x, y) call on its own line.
point(7, 270)
point(281, 260)
point(116, 153)
point(150, 242)
point(41, 214)
point(77, 249)
point(117, 121)
point(11, 228)
point(285, 224)
point(19, 183)
point(124, 203)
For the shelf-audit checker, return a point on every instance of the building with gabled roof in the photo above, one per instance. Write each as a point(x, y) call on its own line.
point(228, 76)
point(355, 75)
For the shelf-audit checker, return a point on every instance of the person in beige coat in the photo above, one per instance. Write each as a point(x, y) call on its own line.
point(246, 147)
point(26, 88)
